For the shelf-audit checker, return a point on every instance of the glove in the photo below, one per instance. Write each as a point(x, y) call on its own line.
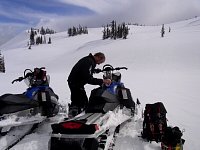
point(107, 82)
point(97, 70)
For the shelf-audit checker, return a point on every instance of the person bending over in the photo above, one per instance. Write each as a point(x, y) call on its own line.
point(80, 75)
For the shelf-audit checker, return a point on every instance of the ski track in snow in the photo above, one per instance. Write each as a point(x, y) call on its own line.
point(159, 69)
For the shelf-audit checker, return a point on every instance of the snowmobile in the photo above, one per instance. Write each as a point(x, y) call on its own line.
point(96, 128)
point(34, 105)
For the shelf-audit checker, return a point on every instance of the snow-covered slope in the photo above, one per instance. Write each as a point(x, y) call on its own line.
point(159, 69)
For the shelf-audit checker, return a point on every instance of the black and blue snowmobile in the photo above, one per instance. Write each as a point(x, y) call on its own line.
point(34, 105)
point(108, 108)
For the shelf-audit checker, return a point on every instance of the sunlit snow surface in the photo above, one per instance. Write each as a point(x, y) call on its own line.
point(159, 69)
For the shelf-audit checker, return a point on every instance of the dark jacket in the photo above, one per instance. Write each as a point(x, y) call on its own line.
point(82, 72)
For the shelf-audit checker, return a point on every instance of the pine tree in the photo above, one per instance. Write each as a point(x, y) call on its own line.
point(41, 40)
point(104, 33)
point(70, 31)
point(49, 42)
point(29, 45)
point(113, 31)
point(85, 30)
point(37, 40)
point(32, 35)
point(108, 32)
point(2, 63)
point(42, 31)
point(74, 31)
point(169, 29)
point(162, 31)
point(119, 31)
point(77, 31)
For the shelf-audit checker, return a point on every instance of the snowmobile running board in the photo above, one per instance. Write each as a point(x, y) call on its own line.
point(18, 113)
point(7, 118)
point(24, 117)
point(91, 117)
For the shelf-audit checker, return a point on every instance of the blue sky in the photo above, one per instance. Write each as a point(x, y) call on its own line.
point(19, 15)
point(15, 11)
point(30, 12)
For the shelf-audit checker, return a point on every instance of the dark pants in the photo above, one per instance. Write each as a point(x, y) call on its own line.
point(78, 96)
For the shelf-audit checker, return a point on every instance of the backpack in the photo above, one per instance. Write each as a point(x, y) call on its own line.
point(155, 122)
point(172, 140)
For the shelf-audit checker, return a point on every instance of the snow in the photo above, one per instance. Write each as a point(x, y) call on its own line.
point(159, 69)
point(114, 118)
point(15, 121)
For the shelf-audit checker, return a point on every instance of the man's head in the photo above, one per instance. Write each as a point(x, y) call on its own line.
point(99, 58)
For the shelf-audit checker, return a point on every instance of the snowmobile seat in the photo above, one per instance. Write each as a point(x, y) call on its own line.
point(101, 101)
point(10, 103)
point(16, 99)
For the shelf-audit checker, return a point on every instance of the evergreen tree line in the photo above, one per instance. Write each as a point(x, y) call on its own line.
point(44, 31)
point(38, 36)
point(41, 31)
point(2, 63)
point(42, 40)
point(115, 31)
point(77, 31)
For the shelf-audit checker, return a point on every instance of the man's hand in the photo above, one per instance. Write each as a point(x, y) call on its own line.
point(107, 82)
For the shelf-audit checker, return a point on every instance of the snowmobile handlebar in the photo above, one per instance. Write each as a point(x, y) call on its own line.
point(119, 68)
point(27, 73)
point(19, 79)
point(22, 78)
point(108, 67)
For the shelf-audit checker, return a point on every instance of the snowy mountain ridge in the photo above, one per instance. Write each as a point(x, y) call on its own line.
point(159, 69)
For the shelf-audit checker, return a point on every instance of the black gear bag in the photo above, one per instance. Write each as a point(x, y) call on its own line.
point(172, 140)
point(155, 122)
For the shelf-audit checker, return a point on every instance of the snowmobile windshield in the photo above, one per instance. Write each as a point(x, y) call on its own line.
point(28, 81)
point(107, 75)
point(116, 77)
